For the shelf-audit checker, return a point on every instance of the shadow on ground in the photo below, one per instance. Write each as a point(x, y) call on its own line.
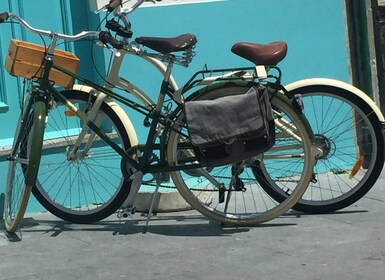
point(166, 224)
point(170, 224)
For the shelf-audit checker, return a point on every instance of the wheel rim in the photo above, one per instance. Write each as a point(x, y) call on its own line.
point(80, 186)
point(244, 208)
point(331, 188)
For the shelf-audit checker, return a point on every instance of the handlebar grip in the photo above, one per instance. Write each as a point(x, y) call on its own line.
point(106, 38)
point(3, 17)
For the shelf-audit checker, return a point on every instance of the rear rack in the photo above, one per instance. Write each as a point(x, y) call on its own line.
point(209, 76)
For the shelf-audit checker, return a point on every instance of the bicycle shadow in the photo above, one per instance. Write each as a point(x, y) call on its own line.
point(169, 224)
point(339, 212)
point(177, 225)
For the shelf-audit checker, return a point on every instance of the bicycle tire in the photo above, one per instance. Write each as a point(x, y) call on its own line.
point(253, 205)
point(90, 187)
point(338, 134)
point(23, 168)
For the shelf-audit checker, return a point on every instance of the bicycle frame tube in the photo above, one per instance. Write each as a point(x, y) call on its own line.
point(93, 125)
point(114, 79)
point(144, 165)
point(148, 108)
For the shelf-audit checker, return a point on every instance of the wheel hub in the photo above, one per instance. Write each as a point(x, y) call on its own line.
point(325, 145)
point(77, 156)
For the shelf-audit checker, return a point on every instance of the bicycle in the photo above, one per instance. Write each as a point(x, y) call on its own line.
point(348, 130)
point(105, 128)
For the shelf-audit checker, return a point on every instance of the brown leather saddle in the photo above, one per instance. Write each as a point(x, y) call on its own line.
point(261, 54)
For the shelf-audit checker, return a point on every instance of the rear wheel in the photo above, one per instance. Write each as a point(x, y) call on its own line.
point(350, 139)
point(245, 201)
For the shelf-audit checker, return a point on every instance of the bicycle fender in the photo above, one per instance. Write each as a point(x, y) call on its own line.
point(118, 110)
point(338, 84)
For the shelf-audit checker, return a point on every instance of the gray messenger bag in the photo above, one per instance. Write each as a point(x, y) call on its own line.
point(232, 128)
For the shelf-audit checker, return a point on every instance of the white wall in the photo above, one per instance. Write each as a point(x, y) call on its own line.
point(98, 4)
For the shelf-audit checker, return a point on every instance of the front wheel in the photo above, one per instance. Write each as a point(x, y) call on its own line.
point(82, 185)
point(23, 166)
point(243, 201)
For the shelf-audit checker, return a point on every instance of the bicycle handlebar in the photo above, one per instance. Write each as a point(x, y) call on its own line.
point(104, 37)
point(81, 35)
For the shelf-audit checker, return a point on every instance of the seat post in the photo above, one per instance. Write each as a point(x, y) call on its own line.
point(165, 85)
point(167, 74)
point(155, 114)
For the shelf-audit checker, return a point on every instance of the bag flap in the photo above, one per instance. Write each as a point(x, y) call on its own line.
point(223, 118)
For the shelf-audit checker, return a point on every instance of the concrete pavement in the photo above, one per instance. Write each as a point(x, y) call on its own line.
point(349, 244)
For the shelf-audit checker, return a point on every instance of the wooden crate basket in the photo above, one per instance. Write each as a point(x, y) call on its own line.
point(25, 59)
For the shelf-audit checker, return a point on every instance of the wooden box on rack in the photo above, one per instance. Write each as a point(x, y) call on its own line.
point(25, 59)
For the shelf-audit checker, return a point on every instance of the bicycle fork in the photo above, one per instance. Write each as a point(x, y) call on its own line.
point(73, 153)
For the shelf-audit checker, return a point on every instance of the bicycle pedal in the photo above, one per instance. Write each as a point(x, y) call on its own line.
point(126, 212)
point(239, 185)
point(166, 177)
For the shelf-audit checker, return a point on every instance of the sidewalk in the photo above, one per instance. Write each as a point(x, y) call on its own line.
point(349, 244)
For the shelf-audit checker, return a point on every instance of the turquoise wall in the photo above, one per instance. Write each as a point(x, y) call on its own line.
point(314, 31)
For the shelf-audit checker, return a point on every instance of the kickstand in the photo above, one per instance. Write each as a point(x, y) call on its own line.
point(236, 183)
point(158, 179)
